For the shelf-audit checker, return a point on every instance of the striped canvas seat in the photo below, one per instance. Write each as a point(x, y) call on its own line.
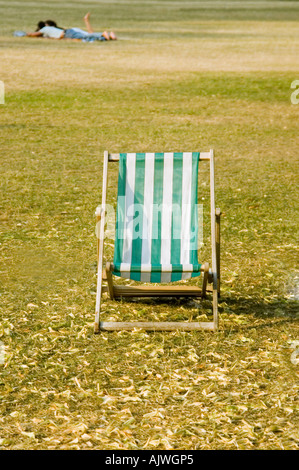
point(157, 221)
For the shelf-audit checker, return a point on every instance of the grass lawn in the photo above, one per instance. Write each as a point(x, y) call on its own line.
point(182, 76)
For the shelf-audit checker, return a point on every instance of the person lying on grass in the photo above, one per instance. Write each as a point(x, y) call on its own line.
point(49, 29)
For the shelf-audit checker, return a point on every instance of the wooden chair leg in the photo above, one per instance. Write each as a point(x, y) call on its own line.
point(109, 280)
point(215, 309)
point(218, 214)
point(205, 280)
point(98, 221)
point(99, 282)
point(100, 235)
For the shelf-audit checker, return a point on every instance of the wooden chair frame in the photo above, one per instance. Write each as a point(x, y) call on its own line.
point(210, 276)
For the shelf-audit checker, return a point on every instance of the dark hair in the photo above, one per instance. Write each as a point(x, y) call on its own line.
point(51, 23)
point(40, 25)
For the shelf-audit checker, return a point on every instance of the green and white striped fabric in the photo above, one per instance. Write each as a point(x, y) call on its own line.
point(157, 222)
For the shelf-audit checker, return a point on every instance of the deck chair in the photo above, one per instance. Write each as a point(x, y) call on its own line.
point(161, 246)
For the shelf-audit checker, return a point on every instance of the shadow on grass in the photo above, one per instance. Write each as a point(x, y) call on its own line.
point(261, 308)
point(270, 313)
point(231, 309)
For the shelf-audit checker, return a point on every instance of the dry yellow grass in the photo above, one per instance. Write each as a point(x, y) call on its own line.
point(228, 86)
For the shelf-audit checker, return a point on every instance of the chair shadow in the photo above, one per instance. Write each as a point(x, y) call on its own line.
point(277, 311)
point(271, 313)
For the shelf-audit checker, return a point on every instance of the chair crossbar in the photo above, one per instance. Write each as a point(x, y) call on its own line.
point(160, 291)
point(157, 326)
